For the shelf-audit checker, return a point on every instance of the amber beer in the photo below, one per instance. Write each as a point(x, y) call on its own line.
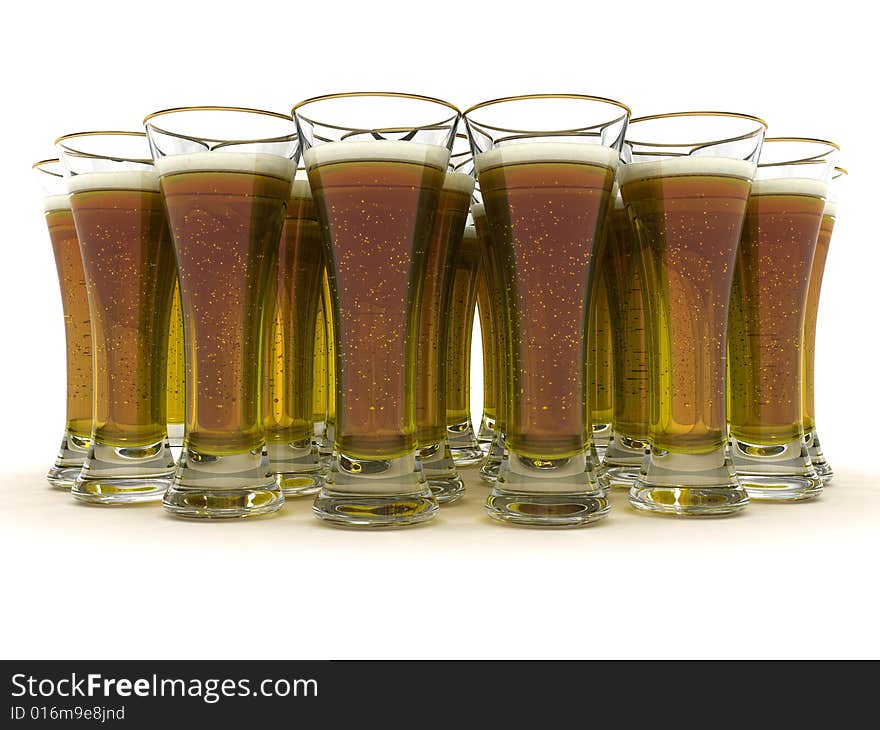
point(434, 337)
point(546, 203)
point(488, 340)
point(291, 310)
point(817, 457)
point(376, 203)
point(768, 301)
point(600, 361)
point(493, 313)
point(465, 266)
point(129, 271)
point(176, 380)
point(78, 341)
point(626, 306)
point(688, 214)
point(226, 210)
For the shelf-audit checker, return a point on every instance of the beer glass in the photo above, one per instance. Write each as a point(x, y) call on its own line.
point(377, 165)
point(323, 401)
point(600, 360)
point(77, 330)
point(546, 167)
point(685, 179)
point(291, 311)
point(437, 326)
point(626, 308)
point(128, 262)
point(225, 174)
point(176, 383)
point(493, 328)
point(820, 464)
point(463, 440)
point(766, 329)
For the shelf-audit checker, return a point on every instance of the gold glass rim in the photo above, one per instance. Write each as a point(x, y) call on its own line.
point(704, 113)
point(820, 158)
point(539, 132)
point(524, 97)
point(38, 165)
point(61, 142)
point(219, 108)
point(841, 170)
point(384, 94)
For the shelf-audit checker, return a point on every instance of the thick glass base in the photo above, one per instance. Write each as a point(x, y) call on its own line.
point(463, 444)
point(175, 435)
point(439, 470)
point(548, 492)
point(72, 454)
point(776, 472)
point(486, 433)
point(114, 475)
point(207, 486)
point(688, 485)
point(814, 449)
point(375, 493)
point(601, 438)
point(297, 466)
point(623, 460)
point(494, 458)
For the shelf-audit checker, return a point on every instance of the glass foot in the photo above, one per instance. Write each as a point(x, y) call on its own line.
point(71, 456)
point(439, 470)
point(208, 486)
point(688, 485)
point(298, 467)
point(463, 444)
point(776, 472)
point(486, 433)
point(492, 463)
point(601, 438)
point(124, 474)
point(111, 492)
point(623, 460)
point(175, 435)
point(375, 493)
point(814, 449)
point(63, 477)
point(223, 503)
point(622, 477)
point(546, 510)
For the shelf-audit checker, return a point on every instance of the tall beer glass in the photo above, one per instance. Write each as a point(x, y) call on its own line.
point(436, 324)
point(546, 167)
point(685, 180)
point(291, 311)
point(129, 269)
point(377, 164)
point(493, 325)
point(77, 329)
point(601, 359)
point(463, 440)
point(226, 175)
point(626, 307)
point(820, 463)
point(766, 330)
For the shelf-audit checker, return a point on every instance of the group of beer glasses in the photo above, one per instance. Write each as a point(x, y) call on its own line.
point(647, 292)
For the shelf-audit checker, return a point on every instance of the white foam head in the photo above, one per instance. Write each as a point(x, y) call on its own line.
point(301, 189)
point(687, 165)
point(458, 182)
point(791, 186)
point(577, 152)
point(470, 232)
point(478, 210)
point(831, 208)
point(114, 180)
point(384, 150)
point(258, 163)
point(56, 202)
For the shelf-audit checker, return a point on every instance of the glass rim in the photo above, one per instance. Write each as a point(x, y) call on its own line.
point(61, 142)
point(39, 165)
point(703, 113)
point(840, 171)
point(219, 108)
point(818, 158)
point(385, 94)
point(538, 132)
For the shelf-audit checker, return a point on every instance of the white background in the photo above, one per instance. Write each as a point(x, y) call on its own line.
point(798, 580)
